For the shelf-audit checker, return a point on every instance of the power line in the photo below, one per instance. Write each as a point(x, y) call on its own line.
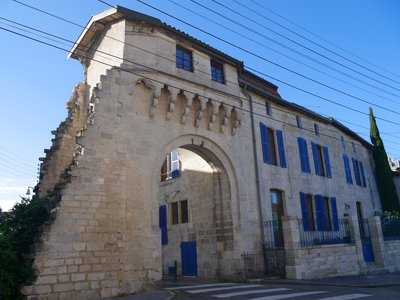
point(323, 39)
point(315, 43)
point(267, 60)
point(291, 49)
point(119, 58)
point(188, 91)
point(135, 73)
point(293, 59)
point(290, 85)
point(305, 47)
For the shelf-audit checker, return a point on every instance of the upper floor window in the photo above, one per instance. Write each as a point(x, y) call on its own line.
point(217, 71)
point(273, 147)
point(321, 160)
point(347, 169)
point(184, 59)
point(303, 153)
point(359, 175)
point(316, 129)
point(171, 166)
point(298, 122)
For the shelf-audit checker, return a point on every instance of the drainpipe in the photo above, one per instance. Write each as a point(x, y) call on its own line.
point(253, 135)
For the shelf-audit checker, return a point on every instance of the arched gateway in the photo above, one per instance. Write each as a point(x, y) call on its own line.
point(173, 152)
point(129, 209)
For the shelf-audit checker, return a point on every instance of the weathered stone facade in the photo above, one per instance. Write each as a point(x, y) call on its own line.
point(135, 107)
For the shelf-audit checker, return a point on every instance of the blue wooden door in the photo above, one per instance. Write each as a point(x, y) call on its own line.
point(189, 258)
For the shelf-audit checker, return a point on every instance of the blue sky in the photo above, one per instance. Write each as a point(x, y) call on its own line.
point(36, 80)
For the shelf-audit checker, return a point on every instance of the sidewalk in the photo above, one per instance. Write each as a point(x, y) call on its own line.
point(367, 281)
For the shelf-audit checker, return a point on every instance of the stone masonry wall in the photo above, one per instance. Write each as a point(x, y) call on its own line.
point(391, 255)
point(328, 261)
point(64, 147)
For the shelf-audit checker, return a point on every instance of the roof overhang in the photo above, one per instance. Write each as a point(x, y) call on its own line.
point(97, 23)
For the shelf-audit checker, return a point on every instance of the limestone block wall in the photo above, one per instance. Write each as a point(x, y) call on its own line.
point(328, 261)
point(291, 180)
point(105, 240)
point(64, 147)
point(391, 255)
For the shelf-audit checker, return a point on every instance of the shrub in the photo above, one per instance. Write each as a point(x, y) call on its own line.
point(19, 230)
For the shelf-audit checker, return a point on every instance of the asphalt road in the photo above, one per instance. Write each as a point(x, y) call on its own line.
point(270, 291)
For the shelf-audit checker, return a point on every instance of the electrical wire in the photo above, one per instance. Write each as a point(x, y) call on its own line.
point(292, 58)
point(312, 94)
point(314, 43)
point(323, 39)
point(188, 91)
point(269, 61)
point(67, 50)
point(305, 47)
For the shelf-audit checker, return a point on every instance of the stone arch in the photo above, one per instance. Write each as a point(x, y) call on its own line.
point(214, 236)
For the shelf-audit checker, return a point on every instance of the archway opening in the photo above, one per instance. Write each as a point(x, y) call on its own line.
point(195, 212)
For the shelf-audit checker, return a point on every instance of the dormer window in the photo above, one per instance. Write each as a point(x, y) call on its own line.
point(217, 71)
point(184, 59)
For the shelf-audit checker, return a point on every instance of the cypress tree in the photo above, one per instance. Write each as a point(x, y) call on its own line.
point(383, 172)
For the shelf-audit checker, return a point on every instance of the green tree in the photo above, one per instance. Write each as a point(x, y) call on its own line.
point(384, 177)
point(18, 233)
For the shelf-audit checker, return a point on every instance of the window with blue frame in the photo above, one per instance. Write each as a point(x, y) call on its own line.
point(321, 160)
point(320, 214)
point(171, 166)
point(184, 59)
point(303, 153)
point(359, 174)
point(217, 71)
point(273, 147)
point(347, 170)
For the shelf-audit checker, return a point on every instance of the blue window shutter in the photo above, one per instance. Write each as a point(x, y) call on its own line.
point(175, 173)
point(327, 162)
point(347, 169)
point(281, 148)
point(320, 212)
point(304, 160)
point(264, 143)
point(316, 160)
point(335, 219)
point(304, 212)
point(356, 174)
point(362, 174)
point(162, 215)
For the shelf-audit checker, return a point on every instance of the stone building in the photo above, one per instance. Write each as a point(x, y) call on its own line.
point(173, 151)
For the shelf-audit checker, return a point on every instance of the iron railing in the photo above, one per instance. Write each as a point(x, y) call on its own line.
point(253, 264)
point(391, 229)
point(337, 233)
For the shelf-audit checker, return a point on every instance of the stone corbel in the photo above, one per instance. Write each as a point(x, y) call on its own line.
point(173, 95)
point(214, 112)
point(155, 98)
point(200, 111)
point(155, 95)
point(225, 119)
point(186, 107)
point(235, 121)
